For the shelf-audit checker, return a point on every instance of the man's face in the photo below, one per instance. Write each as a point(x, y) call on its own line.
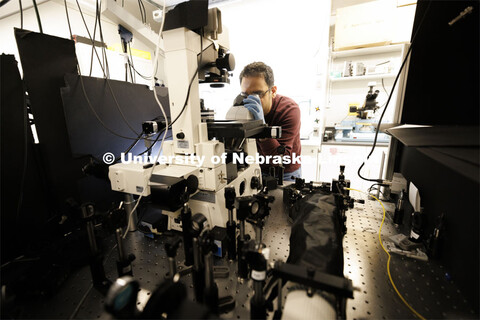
point(257, 85)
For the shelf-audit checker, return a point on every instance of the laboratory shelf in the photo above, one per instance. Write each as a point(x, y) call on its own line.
point(367, 51)
point(364, 78)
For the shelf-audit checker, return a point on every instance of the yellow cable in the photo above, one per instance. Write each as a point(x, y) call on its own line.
point(389, 257)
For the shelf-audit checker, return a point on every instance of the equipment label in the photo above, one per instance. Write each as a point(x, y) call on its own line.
point(258, 275)
point(182, 144)
point(204, 196)
point(218, 253)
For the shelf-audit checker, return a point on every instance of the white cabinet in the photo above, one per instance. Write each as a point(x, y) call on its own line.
point(382, 65)
point(310, 166)
point(322, 163)
point(332, 156)
point(378, 64)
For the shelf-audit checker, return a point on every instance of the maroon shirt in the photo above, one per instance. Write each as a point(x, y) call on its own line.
point(285, 113)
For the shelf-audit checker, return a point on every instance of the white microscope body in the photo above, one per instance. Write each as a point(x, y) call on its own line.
point(190, 138)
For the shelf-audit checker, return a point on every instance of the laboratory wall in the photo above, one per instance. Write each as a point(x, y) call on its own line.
point(54, 22)
point(289, 36)
point(351, 26)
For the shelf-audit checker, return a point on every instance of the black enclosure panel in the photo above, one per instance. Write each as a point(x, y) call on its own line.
point(443, 76)
point(87, 133)
point(23, 201)
point(443, 190)
point(45, 60)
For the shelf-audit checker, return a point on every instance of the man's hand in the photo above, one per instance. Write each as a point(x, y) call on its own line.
point(254, 105)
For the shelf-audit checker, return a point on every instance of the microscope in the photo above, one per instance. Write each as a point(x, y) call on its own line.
point(361, 123)
point(201, 149)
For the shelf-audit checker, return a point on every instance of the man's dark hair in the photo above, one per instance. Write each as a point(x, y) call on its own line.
point(256, 69)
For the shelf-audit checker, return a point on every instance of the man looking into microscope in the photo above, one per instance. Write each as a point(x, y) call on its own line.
point(262, 100)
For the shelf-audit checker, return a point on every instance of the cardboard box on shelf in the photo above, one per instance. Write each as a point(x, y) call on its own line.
point(364, 25)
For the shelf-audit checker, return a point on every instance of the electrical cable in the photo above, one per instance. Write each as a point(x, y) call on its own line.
point(383, 86)
point(165, 118)
point(80, 303)
point(389, 258)
point(93, 46)
point(97, 116)
point(82, 300)
point(124, 47)
point(372, 188)
point(131, 71)
point(130, 147)
point(144, 11)
point(143, 14)
point(140, 216)
point(390, 97)
point(105, 72)
point(4, 2)
point(191, 81)
point(104, 54)
point(141, 75)
point(108, 83)
point(154, 142)
point(21, 13)
point(104, 50)
point(68, 19)
point(133, 74)
point(157, 48)
point(130, 57)
point(201, 48)
point(167, 125)
point(133, 67)
point(151, 171)
point(130, 62)
point(38, 16)
point(186, 98)
point(380, 192)
point(15, 260)
point(108, 74)
point(98, 18)
point(90, 36)
point(128, 67)
point(379, 184)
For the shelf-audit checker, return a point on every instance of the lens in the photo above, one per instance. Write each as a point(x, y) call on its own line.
point(255, 207)
point(199, 222)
